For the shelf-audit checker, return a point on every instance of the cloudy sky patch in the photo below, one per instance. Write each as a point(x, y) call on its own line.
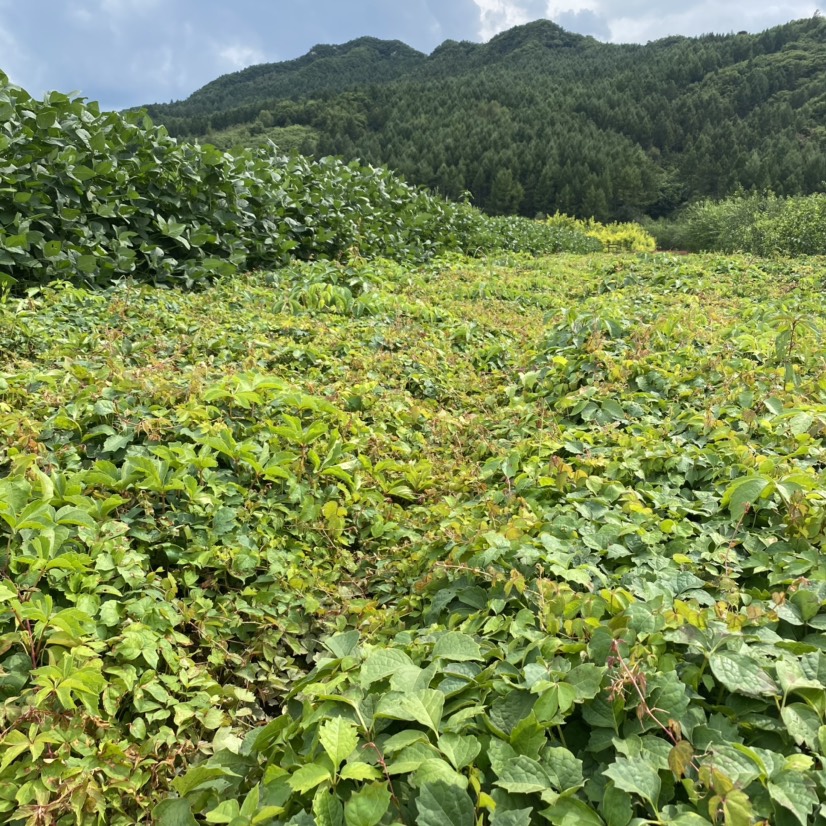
point(129, 52)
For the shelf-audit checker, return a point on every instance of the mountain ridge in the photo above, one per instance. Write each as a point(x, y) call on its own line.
point(539, 119)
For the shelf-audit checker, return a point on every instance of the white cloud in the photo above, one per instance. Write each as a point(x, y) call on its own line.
point(237, 56)
point(638, 21)
point(498, 15)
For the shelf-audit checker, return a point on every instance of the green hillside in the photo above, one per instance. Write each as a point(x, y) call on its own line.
point(539, 119)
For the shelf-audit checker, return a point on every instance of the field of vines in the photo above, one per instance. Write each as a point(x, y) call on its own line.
point(502, 541)
point(327, 502)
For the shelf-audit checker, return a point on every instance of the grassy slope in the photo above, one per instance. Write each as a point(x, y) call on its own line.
point(210, 558)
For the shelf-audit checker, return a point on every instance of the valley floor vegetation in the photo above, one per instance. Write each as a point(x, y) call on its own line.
point(526, 539)
point(327, 502)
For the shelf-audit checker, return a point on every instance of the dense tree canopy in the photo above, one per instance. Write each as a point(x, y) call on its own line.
point(540, 119)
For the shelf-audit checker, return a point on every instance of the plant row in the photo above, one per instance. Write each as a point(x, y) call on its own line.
point(98, 197)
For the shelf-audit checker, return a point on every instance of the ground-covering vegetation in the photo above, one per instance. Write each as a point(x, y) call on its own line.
point(541, 120)
point(531, 540)
point(411, 523)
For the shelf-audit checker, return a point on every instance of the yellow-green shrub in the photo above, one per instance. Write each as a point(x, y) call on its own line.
point(616, 237)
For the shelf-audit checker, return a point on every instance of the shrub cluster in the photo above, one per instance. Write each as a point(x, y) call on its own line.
point(100, 196)
point(761, 224)
point(516, 234)
point(615, 237)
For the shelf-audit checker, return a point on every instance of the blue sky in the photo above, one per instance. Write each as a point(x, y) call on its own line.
point(128, 52)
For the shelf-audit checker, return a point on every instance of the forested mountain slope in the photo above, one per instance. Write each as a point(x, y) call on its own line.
point(541, 119)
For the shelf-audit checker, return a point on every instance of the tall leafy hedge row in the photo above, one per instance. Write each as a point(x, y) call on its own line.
point(101, 196)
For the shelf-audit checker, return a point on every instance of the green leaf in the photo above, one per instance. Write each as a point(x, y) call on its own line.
point(87, 264)
point(411, 758)
point(774, 406)
point(15, 743)
point(564, 768)
point(511, 817)
point(807, 602)
point(343, 645)
point(743, 493)
point(368, 806)
point(796, 792)
point(803, 723)
point(436, 770)
point(423, 707)
point(740, 674)
point(460, 750)
point(51, 249)
point(15, 494)
point(74, 516)
point(403, 739)
point(7, 591)
point(522, 775)
point(200, 776)
point(308, 777)
point(617, 806)
point(457, 647)
point(735, 806)
point(528, 737)
point(440, 804)
point(568, 811)
point(507, 711)
point(587, 680)
point(635, 777)
point(792, 677)
point(688, 819)
point(225, 812)
point(174, 813)
point(360, 771)
point(117, 442)
point(328, 809)
point(339, 739)
point(382, 664)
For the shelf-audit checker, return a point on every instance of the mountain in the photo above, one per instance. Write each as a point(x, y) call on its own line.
point(540, 119)
point(324, 69)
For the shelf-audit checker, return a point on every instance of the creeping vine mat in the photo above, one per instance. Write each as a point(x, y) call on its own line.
point(504, 541)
